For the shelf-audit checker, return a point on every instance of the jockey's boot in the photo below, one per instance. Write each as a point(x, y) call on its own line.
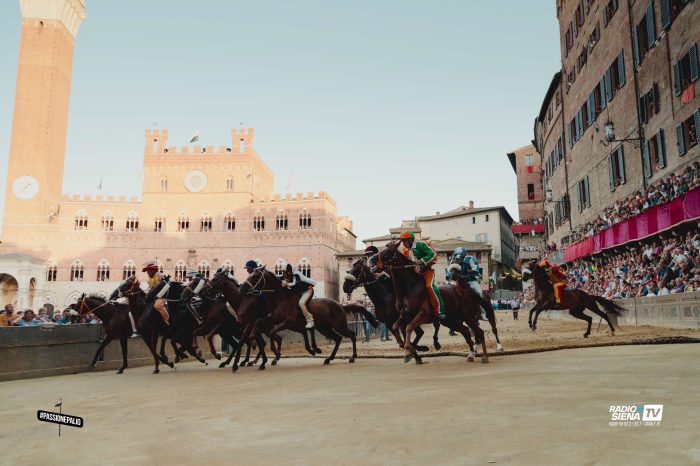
point(134, 333)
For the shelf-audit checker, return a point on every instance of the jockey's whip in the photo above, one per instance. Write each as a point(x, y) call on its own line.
point(600, 322)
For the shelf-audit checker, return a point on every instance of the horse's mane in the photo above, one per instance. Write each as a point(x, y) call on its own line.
point(97, 297)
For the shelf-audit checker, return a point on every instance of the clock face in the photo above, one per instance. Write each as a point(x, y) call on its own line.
point(195, 181)
point(25, 187)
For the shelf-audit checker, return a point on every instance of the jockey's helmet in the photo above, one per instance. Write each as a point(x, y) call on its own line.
point(371, 250)
point(251, 264)
point(152, 265)
point(407, 235)
point(459, 252)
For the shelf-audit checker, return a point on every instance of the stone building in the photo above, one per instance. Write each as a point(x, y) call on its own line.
point(623, 112)
point(202, 207)
point(529, 232)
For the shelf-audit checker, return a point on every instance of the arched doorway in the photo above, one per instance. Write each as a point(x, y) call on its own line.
point(8, 289)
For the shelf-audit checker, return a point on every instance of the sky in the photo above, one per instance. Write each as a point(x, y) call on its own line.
point(396, 108)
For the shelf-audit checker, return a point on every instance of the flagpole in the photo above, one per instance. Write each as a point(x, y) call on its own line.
point(60, 411)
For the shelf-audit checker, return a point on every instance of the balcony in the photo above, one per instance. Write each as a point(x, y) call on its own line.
point(529, 229)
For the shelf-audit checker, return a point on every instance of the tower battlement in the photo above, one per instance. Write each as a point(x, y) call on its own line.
point(289, 198)
point(156, 143)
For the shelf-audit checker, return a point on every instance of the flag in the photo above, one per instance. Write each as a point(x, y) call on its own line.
point(195, 137)
point(688, 93)
point(493, 277)
point(58, 403)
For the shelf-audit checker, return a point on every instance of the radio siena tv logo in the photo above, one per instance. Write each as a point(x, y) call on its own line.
point(636, 415)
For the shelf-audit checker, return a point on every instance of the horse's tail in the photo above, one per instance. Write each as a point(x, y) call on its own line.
point(610, 307)
point(357, 309)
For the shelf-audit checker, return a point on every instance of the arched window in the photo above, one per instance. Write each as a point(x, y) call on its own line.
point(164, 184)
point(279, 267)
point(51, 272)
point(159, 223)
point(180, 271)
point(305, 220)
point(107, 221)
point(132, 221)
point(183, 222)
point(259, 223)
point(228, 266)
point(229, 222)
point(102, 271)
point(203, 269)
point(129, 269)
point(81, 220)
point(281, 222)
point(76, 271)
point(205, 222)
point(229, 183)
point(305, 267)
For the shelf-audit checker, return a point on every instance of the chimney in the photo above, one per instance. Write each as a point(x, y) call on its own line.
point(471, 205)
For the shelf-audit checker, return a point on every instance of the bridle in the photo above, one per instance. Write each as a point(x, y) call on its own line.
point(84, 308)
point(211, 294)
point(391, 262)
point(261, 282)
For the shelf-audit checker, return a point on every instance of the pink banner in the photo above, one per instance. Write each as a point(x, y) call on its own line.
point(649, 222)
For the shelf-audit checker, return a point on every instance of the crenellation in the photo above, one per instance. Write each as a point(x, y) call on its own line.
point(299, 196)
point(185, 149)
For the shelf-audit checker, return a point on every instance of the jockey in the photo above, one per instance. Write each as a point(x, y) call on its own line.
point(468, 267)
point(297, 282)
point(154, 277)
point(556, 277)
point(425, 256)
point(371, 255)
point(250, 266)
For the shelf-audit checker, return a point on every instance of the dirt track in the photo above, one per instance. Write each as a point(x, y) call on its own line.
point(548, 408)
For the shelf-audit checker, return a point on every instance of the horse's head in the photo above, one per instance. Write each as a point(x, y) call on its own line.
point(357, 276)
point(390, 256)
point(256, 281)
point(123, 288)
point(532, 270)
point(193, 288)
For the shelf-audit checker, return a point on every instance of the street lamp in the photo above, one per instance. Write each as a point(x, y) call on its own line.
point(609, 134)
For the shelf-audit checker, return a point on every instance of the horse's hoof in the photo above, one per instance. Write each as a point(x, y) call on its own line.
point(261, 368)
point(499, 347)
point(438, 346)
point(206, 363)
point(484, 359)
point(120, 371)
point(612, 334)
point(274, 362)
point(199, 354)
point(470, 357)
point(326, 361)
point(317, 350)
point(407, 358)
point(250, 363)
point(217, 355)
point(222, 365)
point(234, 369)
point(351, 360)
point(177, 359)
point(585, 335)
point(156, 371)
point(419, 361)
point(171, 365)
point(422, 348)
point(91, 368)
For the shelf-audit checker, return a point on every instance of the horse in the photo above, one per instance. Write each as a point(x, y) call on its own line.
point(115, 321)
point(220, 295)
point(414, 305)
point(151, 324)
point(330, 317)
point(380, 291)
point(573, 300)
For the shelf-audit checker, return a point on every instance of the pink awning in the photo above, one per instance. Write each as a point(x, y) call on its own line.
point(651, 221)
point(526, 229)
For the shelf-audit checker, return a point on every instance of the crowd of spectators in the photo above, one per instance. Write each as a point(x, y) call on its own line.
point(530, 221)
point(28, 318)
point(665, 190)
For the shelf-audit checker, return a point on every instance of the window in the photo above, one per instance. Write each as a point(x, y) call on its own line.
point(279, 267)
point(102, 271)
point(129, 270)
point(487, 217)
point(203, 269)
point(616, 168)
point(569, 38)
point(473, 220)
point(107, 221)
point(654, 154)
point(183, 224)
point(528, 160)
point(228, 266)
point(570, 78)
point(258, 223)
point(51, 272)
point(561, 210)
point(609, 11)
point(688, 133)
point(305, 220)
point(229, 222)
point(164, 184)
point(481, 237)
point(530, 192)
point(594, 37)
point(76, 272)
point(584, 194)
point(305, 268)
point(180, 271)
point(649, 104)
point(132, 221)
point(81, 220)
point(670, 9)
point(644, 35)
point(617, 72)
point(205, 223)
point(581, 60)
point(159, 223)
point(685, 70)
point(579, 16)
point(229, 183)
point(281, 222)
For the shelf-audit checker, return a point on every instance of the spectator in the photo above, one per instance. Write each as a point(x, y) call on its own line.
point(7, 317)
point(65, 319)
point(28, 319)
point(43, 315)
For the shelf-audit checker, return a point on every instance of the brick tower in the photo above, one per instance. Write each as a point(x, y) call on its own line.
point(37, 148)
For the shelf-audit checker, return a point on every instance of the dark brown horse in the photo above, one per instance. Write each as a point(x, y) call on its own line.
point(414, 305)
point(115, 320)
point(573, 300)
point(330, 317)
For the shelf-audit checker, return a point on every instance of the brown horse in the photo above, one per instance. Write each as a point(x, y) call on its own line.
point(414, 305)
point(573, 300)
point(115, 320)
point(330, 317)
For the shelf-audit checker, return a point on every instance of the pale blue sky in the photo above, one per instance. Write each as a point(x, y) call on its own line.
point(396, 108)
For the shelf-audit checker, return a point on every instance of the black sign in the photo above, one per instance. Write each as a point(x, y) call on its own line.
point(59, 418)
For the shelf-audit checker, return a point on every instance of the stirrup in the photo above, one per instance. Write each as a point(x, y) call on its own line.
point(135, 334)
